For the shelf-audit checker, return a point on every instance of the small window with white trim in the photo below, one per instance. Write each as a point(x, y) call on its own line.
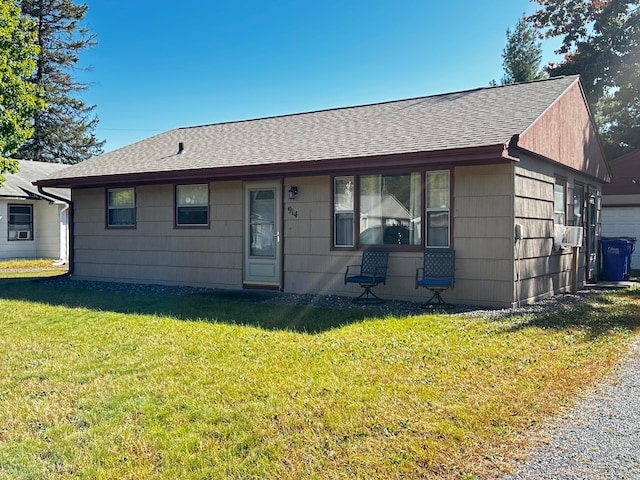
point(20, 222)
point(192, 205)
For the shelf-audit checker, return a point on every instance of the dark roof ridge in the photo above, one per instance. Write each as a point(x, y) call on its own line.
point(373, 104)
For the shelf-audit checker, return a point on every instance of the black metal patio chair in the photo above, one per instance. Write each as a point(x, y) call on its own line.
point(437, 273)
point(371, 272)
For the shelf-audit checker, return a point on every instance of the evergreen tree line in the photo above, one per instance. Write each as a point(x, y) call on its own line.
point(60, 125)
point(64, 129)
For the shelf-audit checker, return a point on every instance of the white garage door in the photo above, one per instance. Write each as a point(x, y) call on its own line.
point(623, 222)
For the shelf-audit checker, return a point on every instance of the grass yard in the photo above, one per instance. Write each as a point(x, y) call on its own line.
point(109, 385)
point(30, 268)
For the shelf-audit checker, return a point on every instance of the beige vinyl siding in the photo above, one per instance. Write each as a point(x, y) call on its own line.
point(491, 268)
point(311, 266)
point(154, 251)
point(483, 235)
point(483, 230)
point(540, 270)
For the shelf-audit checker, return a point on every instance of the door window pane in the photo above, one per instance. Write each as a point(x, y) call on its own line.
point(262, 228)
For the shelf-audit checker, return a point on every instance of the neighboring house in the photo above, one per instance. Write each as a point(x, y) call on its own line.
point(283, 202)
point(35, 224)
point(621, 201)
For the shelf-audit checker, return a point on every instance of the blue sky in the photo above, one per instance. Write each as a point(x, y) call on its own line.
point(160, 65)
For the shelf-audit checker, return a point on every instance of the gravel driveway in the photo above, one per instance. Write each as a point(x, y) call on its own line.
point(597, 439)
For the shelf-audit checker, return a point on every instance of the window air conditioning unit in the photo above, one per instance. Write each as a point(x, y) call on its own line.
point(566, 236)
point(24, 235)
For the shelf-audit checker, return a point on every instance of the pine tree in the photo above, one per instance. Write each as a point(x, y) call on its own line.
point(64, 132)
point(522, 55)
point(18, 97)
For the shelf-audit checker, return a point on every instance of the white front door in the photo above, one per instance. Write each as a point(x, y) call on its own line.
point(262, 234)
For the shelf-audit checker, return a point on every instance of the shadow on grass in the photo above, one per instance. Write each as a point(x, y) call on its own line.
point(598, 316)
point(236, 308)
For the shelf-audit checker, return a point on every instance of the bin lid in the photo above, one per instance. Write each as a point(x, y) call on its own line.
point(612, 240)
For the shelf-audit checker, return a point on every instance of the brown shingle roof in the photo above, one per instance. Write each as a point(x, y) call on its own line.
point(476, 118)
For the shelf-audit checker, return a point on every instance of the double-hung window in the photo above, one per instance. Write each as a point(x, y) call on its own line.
point(20, 222)
point(560, 202)
point(577, 210)
point(343, 205)
point(437, 222)
point(121, 207)
point(192, 205)
point(389, 209)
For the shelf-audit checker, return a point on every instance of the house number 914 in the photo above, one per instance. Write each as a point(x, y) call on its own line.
point(292, 212)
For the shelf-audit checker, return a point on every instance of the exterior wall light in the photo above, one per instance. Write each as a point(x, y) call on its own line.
point(293, 192)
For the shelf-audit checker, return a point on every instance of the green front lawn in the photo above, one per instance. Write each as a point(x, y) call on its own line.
point(21, 268)
point(111, 385)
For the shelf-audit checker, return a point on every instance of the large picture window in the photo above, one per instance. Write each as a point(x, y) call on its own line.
point(389, 209)
point(121, 206)
point(192, 205)
point(20, 222)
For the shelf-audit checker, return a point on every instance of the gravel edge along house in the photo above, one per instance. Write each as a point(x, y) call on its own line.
point(287, 202)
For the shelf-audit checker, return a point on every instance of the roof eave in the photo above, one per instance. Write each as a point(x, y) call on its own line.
point(515, 149)
point(487, 154)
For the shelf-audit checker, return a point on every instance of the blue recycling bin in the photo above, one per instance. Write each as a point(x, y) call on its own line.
point(616, 257)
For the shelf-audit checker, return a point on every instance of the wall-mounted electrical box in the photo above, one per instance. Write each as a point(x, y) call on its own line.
point(519, 233)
